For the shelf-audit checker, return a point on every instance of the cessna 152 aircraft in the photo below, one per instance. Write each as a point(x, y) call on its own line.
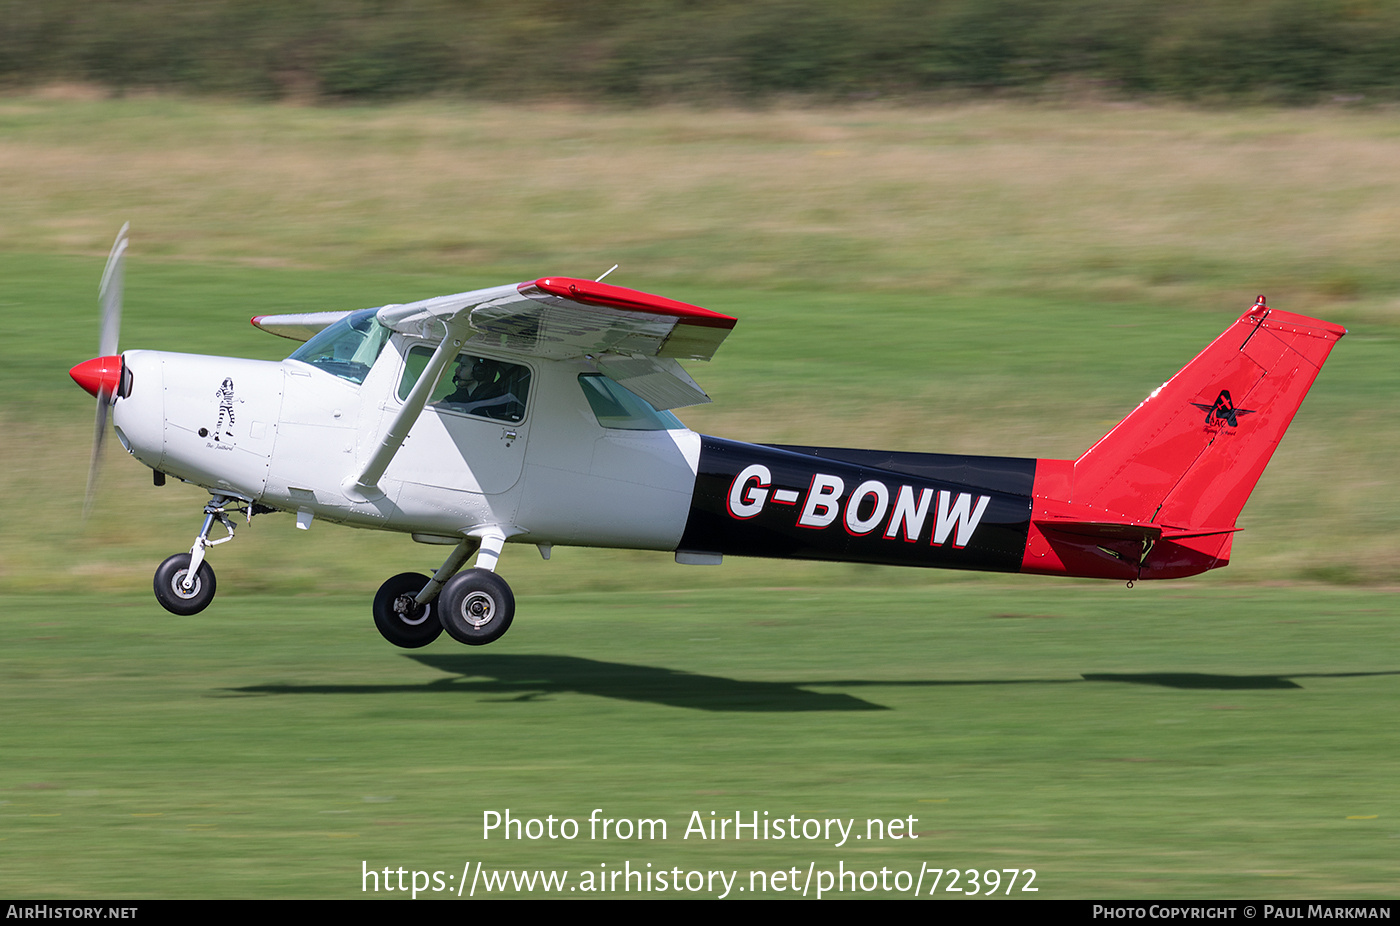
point(539, 413)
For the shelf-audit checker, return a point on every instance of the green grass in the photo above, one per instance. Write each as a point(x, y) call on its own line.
point(1152, 742)
point(991, 279)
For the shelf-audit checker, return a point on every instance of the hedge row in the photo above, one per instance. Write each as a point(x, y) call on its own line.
point(653, 50)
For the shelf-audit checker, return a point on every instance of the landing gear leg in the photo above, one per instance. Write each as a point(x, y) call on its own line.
point(404, 612)
point(460, 554)
point(184, 583)
point(477, 606)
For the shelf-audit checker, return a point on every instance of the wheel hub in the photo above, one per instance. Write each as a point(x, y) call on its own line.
point(177, 585)
point(406, 605)
point(478, 609)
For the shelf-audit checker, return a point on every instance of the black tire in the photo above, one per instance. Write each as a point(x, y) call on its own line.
point(476, 607)
point(169, 576)
point(401, 621)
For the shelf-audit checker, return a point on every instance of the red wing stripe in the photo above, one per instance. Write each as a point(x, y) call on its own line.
point(619, 297)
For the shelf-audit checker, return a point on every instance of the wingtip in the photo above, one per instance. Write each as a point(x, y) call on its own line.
point(621, 297)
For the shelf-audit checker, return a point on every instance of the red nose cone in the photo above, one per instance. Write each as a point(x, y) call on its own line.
point(100, 375)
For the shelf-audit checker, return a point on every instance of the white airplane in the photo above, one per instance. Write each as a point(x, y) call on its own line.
point(539, 413)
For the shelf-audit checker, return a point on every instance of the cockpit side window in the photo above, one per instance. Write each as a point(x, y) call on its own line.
point(347, 348)
point(616, 407)
point(474, 385)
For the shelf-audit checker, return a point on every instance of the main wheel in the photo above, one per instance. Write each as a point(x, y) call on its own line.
point(169, 586)
point(401, 620)
point(476, 607)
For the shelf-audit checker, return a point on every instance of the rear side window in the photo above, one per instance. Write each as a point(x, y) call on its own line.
point(616, 407)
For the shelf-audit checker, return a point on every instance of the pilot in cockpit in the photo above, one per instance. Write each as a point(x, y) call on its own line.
point(482, 388)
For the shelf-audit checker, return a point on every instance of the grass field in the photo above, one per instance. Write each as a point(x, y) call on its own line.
point(1119, 743)
point(988, 279)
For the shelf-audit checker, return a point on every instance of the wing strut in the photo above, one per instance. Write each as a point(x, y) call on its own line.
point(365, 486)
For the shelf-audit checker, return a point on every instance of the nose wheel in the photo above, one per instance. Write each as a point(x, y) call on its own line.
point(181, 592)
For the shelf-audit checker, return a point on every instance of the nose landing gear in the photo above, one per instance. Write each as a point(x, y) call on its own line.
point(184, 583)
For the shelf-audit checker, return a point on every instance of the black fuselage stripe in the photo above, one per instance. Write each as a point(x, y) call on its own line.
point(825, 503)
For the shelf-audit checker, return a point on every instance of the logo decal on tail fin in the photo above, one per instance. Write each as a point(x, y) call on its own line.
point(1223, 409)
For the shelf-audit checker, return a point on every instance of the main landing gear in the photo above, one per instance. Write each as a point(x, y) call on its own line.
point(474, 607)
point(401, 620)
point(184, 583)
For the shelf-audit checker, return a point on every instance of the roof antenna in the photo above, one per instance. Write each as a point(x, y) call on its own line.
point(609, 270)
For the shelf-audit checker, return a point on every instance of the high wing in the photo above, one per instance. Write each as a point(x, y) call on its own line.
point(633, 337)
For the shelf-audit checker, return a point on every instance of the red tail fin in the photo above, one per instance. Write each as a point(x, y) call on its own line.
point(1180, 467)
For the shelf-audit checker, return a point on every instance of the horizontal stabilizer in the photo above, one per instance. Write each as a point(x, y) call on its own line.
point(1127, 530)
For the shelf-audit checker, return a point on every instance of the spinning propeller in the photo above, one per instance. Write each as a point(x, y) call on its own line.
point(102, 375)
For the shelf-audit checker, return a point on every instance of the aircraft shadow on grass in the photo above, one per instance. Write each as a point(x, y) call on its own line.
point(1210, 682)
point(525, 678)
point(1184, 680)
point(532, 677)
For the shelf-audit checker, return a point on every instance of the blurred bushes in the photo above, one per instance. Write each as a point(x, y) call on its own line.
point(707, 50)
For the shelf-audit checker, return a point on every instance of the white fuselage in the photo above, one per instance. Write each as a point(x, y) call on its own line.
point(292, 436)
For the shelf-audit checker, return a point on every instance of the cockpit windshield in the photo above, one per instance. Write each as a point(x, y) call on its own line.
point(347, 348)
